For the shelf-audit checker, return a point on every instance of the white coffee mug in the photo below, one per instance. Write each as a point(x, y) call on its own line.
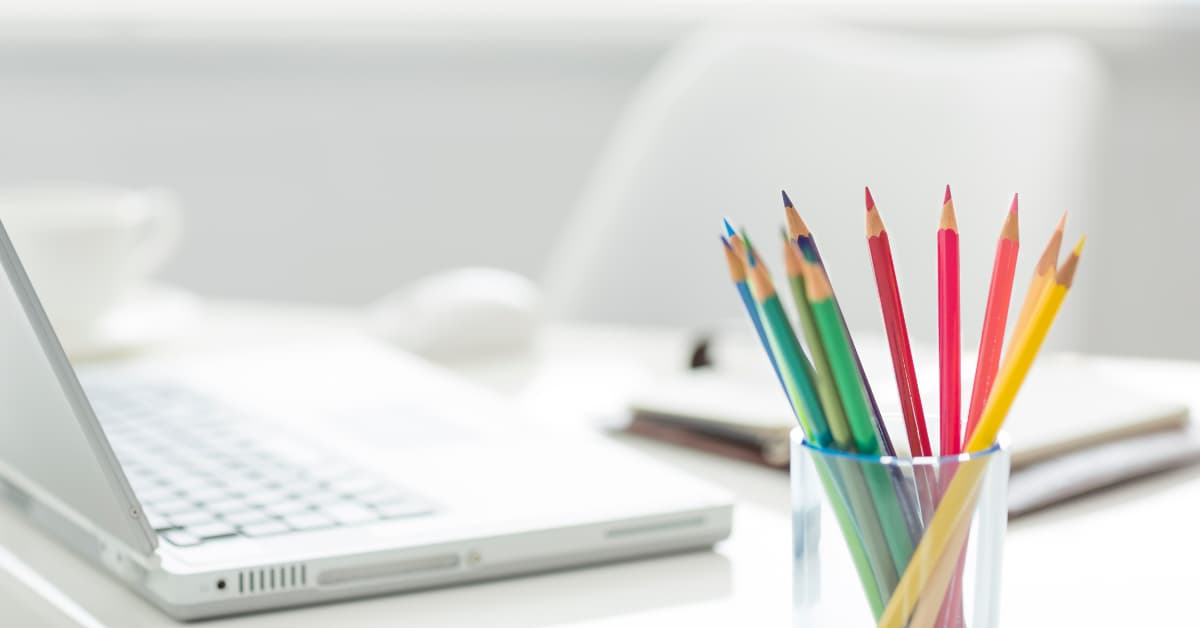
point(86, 246)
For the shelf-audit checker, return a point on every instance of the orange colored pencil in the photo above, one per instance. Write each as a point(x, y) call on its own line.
point(991, 341)
point(1043, 275)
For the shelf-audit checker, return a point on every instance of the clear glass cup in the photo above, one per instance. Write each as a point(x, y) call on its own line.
point(897, 542)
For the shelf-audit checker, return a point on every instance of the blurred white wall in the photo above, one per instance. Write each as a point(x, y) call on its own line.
point(335, 162)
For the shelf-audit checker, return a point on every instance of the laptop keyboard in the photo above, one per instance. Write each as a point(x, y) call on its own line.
point(204, 475)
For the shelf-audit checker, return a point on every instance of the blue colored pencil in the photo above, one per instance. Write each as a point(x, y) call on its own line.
point(737, 272)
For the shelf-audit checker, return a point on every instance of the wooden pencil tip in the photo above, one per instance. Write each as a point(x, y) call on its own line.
point(1010, 230)
point(792, 259)
point(870, 200)
point(729, 231)
point(751, 257)
point(787, 202)
point(1062, 223)
point(1066, 274)
point(737, 271)
point(948, 220)
point(795, 224)
point(816, 282)
point(946, 198)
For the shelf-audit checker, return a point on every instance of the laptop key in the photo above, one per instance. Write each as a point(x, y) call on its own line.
point(158, 522)
point(227, 506)
point(283, 509)
point(382, 496)
point(352, 485)
point(181, 538)
point(210, 494)
point(309, 521)
point(245, 518)
point(214, 530)
point(192, 518)
point(349, 513)
point(265, 497)
point(172, 506)
point(265, 528)
point(322, 497)
point(397, 510)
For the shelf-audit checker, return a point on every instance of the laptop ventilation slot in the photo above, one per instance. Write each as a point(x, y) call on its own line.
point(272, 579)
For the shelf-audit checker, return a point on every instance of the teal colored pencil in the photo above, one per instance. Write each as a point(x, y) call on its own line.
point(858, 414)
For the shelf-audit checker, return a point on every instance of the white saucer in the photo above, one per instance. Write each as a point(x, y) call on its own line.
point(150, 315)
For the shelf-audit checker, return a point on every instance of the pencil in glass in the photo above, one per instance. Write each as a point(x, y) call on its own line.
point(955, 510)
point(737, 273)
point(995, 317)
point(897, 332)
point(865, 535)
point(949, 332)
point(799, 232)
point(1043, 275)
point(896, 527)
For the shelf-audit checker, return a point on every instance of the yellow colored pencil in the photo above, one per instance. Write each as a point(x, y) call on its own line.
point(956, 509)
point(1043, 275)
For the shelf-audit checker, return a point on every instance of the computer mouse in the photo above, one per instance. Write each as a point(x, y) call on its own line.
point(465, 313)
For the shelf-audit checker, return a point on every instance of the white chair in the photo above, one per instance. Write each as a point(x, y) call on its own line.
point(732, 116)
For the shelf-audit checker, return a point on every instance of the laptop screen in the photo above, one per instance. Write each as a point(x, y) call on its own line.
point(51, 446)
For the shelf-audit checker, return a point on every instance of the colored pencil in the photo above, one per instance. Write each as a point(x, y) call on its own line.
point(793, 365)
point(846, 377)
point(897, 331)
point(990, 346)
point(949, 334)
point(799, 232)
point(991, 341)
point(913, 505)
point(853, 506)
point(1043, 275)
point(956, 508)
point(826, 390)
point(737, 272)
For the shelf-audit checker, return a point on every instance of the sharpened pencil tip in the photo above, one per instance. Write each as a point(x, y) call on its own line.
point(751, 258)
point(946, 198)
point(787, 201)
point(1062, 222)
point(1013, 208)
point(1079, 246)
point(729, 231)
point(870, 200)
point(725, 241)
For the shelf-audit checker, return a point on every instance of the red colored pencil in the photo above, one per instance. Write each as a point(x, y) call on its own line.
point(897, 331)
point(991, 341)
point(949, 334)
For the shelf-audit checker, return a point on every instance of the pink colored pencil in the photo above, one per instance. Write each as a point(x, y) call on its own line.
point(949, 334)
point(991, 342)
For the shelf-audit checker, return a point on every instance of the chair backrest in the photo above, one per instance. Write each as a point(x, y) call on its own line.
point(732, 116)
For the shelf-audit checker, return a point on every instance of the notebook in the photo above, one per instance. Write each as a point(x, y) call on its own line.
point(1068, 415)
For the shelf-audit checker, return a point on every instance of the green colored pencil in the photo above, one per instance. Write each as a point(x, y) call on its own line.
point(858, 413)
point(848, 492)
point(826, 389)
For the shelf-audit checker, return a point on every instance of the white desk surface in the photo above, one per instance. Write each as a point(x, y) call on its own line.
point(1117, 559)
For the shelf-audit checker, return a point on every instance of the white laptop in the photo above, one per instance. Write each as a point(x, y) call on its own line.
point(227, 482)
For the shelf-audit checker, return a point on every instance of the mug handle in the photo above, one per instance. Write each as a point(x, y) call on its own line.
point(160, 226)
